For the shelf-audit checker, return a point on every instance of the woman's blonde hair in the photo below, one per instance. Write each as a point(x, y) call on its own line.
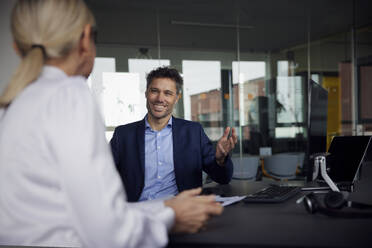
point(43, 29)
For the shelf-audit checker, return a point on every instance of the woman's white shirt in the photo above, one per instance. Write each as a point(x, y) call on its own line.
point(58, 182)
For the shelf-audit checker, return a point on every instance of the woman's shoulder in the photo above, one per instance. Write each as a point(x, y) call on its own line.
point(67, 92)
point(74, 86)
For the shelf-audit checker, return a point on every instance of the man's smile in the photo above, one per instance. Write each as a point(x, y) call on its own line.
point(159, 107)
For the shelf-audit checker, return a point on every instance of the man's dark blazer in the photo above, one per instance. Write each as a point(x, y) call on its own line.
point(192, 153)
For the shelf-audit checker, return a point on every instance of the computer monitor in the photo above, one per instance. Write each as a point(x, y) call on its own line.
point(317, 124)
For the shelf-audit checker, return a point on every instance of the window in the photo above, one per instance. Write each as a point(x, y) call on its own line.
point(202, 95)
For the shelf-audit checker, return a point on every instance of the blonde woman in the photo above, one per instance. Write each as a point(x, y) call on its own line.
point(58, 183)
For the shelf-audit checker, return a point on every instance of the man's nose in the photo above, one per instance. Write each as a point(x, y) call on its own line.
point(160, 97)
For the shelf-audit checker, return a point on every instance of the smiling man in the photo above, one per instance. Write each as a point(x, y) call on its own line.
point(161, 155)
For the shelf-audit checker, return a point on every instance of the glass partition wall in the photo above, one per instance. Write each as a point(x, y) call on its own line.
point(245, 64)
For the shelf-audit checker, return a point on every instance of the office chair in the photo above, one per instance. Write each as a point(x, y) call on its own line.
point(245, 167)
point(280, 166)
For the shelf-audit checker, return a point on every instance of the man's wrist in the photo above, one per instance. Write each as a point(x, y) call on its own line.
point(167, 216)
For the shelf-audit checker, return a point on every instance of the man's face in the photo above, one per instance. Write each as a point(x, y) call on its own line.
point(161, 95)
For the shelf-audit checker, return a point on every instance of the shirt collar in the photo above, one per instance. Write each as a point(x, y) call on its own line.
point(147, 125)
point(52, 72)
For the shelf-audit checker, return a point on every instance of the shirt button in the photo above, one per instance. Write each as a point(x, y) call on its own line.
point(158, 134)
point(160, 163)
point(159, 177)
point(158, 147)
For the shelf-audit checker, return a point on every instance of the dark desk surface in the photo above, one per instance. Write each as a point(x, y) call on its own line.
point(275, 225)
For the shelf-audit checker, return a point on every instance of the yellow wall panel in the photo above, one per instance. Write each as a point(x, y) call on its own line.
point(332, 84)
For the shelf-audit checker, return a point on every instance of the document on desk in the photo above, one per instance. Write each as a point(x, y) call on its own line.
point(225, 201)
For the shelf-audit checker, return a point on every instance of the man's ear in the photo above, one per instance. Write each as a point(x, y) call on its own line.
point(178, 97)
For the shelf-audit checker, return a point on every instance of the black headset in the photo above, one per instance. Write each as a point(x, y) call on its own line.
point(334, 202)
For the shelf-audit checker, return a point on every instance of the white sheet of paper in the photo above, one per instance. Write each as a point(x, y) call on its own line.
point(225, 201)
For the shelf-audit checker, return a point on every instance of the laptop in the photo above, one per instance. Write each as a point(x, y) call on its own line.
point(363, 186)
point(347, 154)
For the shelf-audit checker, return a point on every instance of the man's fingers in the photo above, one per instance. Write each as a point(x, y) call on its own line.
point(232, 143)
point(209, 206)
point(206, 198)
point(215, 209)
point(233, 131)
point(234, 135)
point(191, 192)
point(226, 133)
point(222, 150)
point(225, 146)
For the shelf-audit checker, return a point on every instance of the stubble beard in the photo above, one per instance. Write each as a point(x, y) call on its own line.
point(157, 117)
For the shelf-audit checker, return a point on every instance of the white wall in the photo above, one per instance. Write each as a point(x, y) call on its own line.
point(8, 58)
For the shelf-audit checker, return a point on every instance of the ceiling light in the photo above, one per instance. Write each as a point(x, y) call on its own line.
point(212, 25)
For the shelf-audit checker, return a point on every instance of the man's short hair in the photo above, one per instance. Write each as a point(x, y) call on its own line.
point(165, 72)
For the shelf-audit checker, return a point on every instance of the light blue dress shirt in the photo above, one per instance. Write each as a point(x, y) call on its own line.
point(160, 180)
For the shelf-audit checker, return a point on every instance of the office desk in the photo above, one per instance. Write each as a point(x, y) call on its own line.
point(274, 225)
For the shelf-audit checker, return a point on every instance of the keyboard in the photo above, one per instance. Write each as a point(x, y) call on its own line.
point(273, 193)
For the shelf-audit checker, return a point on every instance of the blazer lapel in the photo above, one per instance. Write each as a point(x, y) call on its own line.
point(141, 145)
point(176, 152)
